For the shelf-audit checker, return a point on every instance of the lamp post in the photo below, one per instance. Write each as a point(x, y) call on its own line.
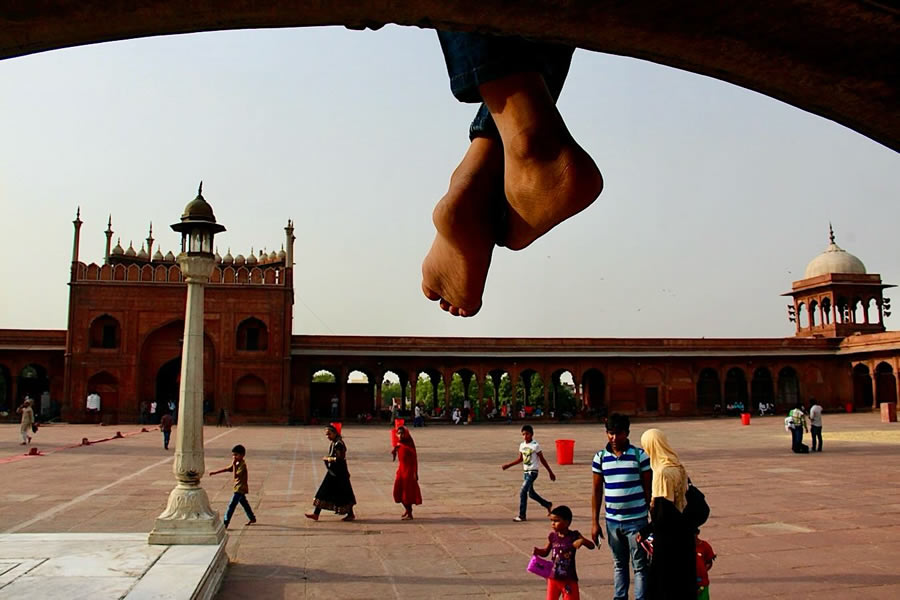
point(188, 517)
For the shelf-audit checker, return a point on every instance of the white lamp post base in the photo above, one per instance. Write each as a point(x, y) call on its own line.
point(188, 519)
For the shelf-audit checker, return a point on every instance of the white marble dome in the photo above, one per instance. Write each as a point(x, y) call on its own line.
point(834, 260)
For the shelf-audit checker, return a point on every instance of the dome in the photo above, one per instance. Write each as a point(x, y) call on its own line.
point(169, 256)
point(198, 209)
point(228, 258)
point(282, 255)
point(118, 250)
point(239, 260)
point(834, 260)
point(143, 253)
point(251, 258)
point(130, 251)
point(272, 256)
point(217, 257)
point(157, 256)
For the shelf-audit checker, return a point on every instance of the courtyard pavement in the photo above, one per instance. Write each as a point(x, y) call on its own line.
point(822, 526)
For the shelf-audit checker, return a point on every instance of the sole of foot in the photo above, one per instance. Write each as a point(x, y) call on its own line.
point(546, 187)
point(456, 267)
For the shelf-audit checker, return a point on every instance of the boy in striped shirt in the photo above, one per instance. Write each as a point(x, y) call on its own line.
point(622, 472)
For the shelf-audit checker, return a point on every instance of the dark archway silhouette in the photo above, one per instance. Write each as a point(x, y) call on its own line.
point(834, 58)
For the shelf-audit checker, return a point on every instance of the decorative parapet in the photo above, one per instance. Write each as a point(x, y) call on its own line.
point(169, 273)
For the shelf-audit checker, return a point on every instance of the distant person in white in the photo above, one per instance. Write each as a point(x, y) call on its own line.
point(93, 401)
point(815, 424)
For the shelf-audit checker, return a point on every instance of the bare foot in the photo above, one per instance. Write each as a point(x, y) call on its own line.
point(407, 517)
point(455, 269)
point(547, 177)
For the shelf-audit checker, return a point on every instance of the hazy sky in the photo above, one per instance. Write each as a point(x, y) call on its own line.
point(715, 198)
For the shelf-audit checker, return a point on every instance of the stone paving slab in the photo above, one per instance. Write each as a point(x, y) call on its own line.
point(824, 525)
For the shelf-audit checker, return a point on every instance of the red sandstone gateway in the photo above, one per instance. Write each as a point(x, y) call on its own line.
point(126, 324)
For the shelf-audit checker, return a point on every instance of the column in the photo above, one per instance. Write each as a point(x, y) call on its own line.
point(480, 412)
point(342, 387)
point(188, 517)
point(378, 401)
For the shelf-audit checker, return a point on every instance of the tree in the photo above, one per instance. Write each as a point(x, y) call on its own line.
point(324, 377)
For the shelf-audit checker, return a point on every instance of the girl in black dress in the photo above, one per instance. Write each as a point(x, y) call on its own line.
point(335, 493)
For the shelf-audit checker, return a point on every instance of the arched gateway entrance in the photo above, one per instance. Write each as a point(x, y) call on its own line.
point(160, 367)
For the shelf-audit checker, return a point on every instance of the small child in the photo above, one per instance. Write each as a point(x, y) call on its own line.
point(561, 545)
point(705, 558)
point(529, 450)
point(241, 487)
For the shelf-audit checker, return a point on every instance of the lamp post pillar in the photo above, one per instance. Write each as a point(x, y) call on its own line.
point(188, 517)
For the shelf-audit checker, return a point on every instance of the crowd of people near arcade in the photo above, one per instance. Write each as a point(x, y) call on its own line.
point(643, 505)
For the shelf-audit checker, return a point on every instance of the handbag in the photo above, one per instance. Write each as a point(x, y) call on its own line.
point(697, 509)
point(34, 427)
point(539, 566)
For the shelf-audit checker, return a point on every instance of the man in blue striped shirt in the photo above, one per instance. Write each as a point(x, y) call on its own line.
point(622, 471)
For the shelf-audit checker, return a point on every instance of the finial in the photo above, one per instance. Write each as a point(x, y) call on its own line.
point(109, 221)
point(200, 190)
point(78, 213)
point(151, 228)
point(830, 232)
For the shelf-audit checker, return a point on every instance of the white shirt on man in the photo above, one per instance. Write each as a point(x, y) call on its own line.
point(529, 452)
point(815, 415)
point(93, 401)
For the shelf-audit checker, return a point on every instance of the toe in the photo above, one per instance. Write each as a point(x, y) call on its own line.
point(430, 293)
point(454, 310)
point(445, 305)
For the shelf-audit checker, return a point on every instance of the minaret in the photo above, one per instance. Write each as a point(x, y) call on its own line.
point(77, 241)
point(150, 241)
point(289, 238)
point(109, 234)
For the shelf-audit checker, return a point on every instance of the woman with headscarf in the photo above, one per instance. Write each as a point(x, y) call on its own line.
point(406, 483)
point(673, 569)
point(335, 493)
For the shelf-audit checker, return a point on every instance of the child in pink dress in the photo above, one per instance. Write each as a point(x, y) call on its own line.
point(561, 546)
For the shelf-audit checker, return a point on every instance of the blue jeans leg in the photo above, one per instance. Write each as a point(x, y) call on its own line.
point(166, 436)
point(238, 498)
point(815, 433)
point(626, 549)
point(474, 59)
point(527, 491)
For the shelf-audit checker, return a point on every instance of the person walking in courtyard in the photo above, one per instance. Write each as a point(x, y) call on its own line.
point(562, 543)
point(335, 493)
point(406, 482)
point(815, 424)
point(165, 425)
point(798, 428)
point(238, 466)
point(673, 571)
point(529, 454)
point(621, 474)
point(27, 422)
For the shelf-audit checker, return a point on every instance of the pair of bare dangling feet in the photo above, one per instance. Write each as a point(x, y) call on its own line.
point(506, 193)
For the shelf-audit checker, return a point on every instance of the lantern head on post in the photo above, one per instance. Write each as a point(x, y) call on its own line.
point(198, 227)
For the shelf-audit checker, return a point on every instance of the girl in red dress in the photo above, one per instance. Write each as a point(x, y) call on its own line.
point(406, 483)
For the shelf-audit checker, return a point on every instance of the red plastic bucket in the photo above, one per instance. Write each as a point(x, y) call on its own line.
point(337, 427)
point(565, 452)
point(745, 418)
